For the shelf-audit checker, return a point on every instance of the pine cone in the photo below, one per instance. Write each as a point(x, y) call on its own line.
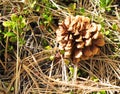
point(79, 38)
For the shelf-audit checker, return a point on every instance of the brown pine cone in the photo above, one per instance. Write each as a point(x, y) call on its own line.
point(79, 38)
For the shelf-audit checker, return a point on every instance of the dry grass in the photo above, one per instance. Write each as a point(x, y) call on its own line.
point(32, 72)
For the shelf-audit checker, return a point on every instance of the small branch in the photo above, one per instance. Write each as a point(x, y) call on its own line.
point(64, 74)
point(75, 73)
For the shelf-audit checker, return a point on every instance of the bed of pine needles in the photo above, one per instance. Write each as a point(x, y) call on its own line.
point(36, 66)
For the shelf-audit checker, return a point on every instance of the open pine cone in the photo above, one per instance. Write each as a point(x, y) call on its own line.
point(79, 38)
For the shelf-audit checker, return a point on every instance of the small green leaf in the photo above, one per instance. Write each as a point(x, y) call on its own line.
point(82, 10)
point(44, 42)
point(101, 92)
point(102, 22)
point(13, 25)
point(12, 89)
point(103, 30)
point(107, 32)
point(62, 51)
point(23, 23)
point(13, 39)
point(98, 93)
point(52, 58)
point(45, 16)
point(21, 41)
point(108, 9)
point(48, 47)
point(71, 70)
point(108, 2)
point(20, 18)
point(49, 19)
point(14, 17)
point(67, 62)
point(103, 3)
point(7, 23)
point(94, 79)
point(114, 27)
point(9, 34)
point(71, 92)
point(10, 48)
point(33, 4)
point(0, 31)
point(72, 6)
point(37, 8)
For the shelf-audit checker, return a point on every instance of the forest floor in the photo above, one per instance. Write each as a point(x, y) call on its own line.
point(31, 61)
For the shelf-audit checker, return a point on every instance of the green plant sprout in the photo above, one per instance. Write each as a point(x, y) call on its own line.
point(12, 25)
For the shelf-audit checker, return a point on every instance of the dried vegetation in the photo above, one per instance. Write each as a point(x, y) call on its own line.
point(40, 56)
